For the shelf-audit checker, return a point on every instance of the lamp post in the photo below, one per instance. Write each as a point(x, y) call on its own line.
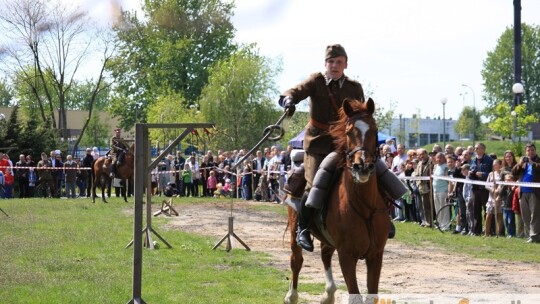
point(474, 114)
point(517, 89)
point(444, 101)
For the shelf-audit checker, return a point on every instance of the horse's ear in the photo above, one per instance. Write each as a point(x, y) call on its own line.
point(370, 105)
point(347, 108)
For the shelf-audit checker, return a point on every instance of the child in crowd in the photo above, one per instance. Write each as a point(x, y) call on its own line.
point(468, 195)
point(211, 183)
point(9, 180)
point(494, 203)
point(187, 176)
point(507, 195)
point(520, 226)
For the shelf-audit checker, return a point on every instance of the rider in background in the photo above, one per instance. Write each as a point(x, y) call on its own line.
point(118, 150)
point(326, 91)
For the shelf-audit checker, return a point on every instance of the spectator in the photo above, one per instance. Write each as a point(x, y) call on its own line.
point(457, 192)
point(187, 177)
point(70, 173)
point(400, 158)
point(424, 168)
point(528, 170)
point(9, 180)
point(440, 190)
point(494, 203)
point(468, 196)
point(21, 172)
point(56, 172)
point(211, 183)
point(481, 166)
point(45, 178)
point(507, 195)
point(87, 163)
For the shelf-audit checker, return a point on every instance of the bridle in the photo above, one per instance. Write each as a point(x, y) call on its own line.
point(361, 168)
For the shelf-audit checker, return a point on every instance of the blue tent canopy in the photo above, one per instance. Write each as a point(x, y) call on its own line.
point(297, 142)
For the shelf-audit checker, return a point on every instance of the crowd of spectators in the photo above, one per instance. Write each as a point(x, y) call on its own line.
point(258, 177)
point(492, 208)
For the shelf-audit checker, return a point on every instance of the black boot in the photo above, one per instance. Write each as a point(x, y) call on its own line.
point(303, 235)
point(113, 170)
point(392, 232)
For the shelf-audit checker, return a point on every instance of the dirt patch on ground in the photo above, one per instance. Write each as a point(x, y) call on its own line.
point(406, 269)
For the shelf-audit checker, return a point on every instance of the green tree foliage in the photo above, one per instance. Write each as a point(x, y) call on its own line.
point(169, 51)
point(96, 133)
point(240, 99)
point(498, 71)
point(384, 117)
point(469, 123)
point(504, 124)
point(6, 93)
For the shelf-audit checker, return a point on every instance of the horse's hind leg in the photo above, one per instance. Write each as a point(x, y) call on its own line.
point(330, 289)
point(296, 261)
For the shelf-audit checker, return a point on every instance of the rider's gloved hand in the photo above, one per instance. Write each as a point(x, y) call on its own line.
point(289, 105)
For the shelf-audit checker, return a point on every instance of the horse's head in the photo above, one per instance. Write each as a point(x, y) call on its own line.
point(359, 143)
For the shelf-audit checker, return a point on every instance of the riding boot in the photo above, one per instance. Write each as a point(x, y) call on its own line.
point(113, 170)
point(303, 235)
point(392, 232)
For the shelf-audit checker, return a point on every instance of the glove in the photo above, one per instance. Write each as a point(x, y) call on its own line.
point(289, 105)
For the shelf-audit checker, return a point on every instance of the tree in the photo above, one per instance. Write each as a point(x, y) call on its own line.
point(383, 117)
point(512, 126)
point(498, 71)
point(6, 93)
point(49, 41)
point(469, 123)
point(238, 98)
point(170, 51)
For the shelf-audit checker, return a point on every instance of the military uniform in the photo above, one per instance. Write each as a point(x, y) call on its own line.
point(326, 98)
point(117, 152)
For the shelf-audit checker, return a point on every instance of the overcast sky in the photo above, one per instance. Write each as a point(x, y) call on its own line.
point(414, 52)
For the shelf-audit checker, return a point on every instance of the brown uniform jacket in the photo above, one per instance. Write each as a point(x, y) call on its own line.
point(321, 109)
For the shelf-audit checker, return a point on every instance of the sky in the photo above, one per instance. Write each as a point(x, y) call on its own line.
point(413, 53)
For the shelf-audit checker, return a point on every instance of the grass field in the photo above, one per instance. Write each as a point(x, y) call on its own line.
point(73, 251)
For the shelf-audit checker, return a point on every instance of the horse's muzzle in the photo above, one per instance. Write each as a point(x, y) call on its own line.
point(362, 171)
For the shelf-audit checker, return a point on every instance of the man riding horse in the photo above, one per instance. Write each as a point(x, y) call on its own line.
point(326, 92)
point(118, 151)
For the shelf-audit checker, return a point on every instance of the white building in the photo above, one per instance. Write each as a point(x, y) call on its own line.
point(415, 132)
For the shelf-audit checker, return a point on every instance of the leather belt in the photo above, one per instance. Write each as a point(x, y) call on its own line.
point(319, 125)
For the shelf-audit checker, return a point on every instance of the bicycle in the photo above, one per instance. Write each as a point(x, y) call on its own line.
point(451, 207)
point(43, 190)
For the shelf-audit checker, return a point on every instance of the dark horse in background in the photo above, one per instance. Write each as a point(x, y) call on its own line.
point(357, 221)
point(102, 169)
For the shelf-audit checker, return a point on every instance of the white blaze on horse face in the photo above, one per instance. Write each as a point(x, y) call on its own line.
point(363, 127)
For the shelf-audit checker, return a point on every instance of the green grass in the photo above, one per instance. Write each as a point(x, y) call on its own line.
point(494, 248)
point(72, 251)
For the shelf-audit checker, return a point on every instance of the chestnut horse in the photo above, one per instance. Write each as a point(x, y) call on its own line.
point(102, 168)
point(357, 221)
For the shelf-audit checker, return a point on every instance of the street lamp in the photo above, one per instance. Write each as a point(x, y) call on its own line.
point(444, 101)
point(517, 89)
point(474, 114)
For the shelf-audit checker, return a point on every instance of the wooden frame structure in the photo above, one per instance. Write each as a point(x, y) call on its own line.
point(142, 182)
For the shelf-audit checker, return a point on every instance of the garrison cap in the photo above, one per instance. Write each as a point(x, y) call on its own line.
point(335, 50)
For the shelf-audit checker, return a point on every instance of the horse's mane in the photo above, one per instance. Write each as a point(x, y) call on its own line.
point(338, 131)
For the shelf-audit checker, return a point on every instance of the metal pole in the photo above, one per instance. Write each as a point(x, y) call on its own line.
point(517, 47)
point(444, 124)
point(474, 115)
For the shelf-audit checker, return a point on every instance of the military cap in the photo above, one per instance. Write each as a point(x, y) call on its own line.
point(335, 50)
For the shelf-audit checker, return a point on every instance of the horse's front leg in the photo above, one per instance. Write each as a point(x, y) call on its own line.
point(347, 262)
point(94, 183)
point(296, 261)
point(330, 289)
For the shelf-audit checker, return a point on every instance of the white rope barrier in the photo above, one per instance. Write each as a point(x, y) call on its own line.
point(470, 181)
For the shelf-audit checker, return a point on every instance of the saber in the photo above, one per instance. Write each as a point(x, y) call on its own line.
point(266, 135)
